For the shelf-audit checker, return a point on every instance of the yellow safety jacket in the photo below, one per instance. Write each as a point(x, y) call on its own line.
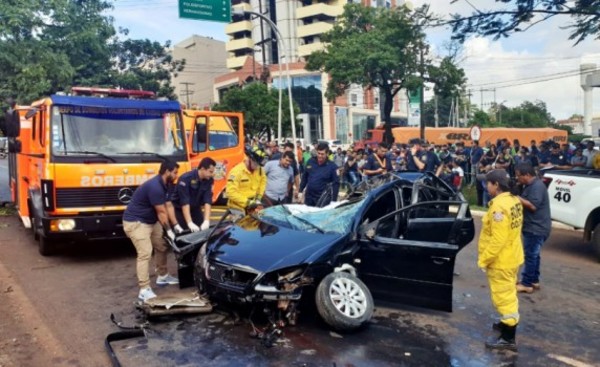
point(244, 186)
point(596, 161)
point(500, 245)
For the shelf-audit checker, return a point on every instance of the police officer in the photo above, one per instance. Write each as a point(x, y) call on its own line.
point(247, 181)
point(319, 173)
point(192, 192)
point(501, 254)
point(378, 163)
point(144, 220)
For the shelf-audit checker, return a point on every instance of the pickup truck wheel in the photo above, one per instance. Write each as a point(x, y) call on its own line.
point(596, 241)
point(344, 301)
point(46, 247)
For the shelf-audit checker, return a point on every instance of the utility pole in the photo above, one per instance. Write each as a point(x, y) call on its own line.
point(422, 97)
point(187, 93)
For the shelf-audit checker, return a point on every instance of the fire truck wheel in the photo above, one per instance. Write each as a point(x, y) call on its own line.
point(46, 247)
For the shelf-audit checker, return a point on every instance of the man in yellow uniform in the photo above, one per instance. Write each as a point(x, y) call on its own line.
point(596, 161)
point(247, 182)
point(501, 254)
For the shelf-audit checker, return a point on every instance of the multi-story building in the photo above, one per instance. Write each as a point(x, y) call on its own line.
point(253, 46)
point(205, 59)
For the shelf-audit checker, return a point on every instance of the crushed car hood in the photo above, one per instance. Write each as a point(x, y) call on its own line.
point(263, 252)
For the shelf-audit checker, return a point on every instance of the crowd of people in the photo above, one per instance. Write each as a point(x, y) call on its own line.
point(513, 232)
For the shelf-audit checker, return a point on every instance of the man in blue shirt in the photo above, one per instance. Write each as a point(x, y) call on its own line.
point(280, 177)
point(194, 191)
point(476, 154)
point(414, 155)
point(378, 163)
point(319, 173)
point(144, 220)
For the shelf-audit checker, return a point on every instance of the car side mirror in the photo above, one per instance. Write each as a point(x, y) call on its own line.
point(13, 123)
point(367, 230)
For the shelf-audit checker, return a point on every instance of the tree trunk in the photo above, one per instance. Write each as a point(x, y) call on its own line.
point(388, 104)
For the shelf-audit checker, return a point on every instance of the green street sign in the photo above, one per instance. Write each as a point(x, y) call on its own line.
point(215, 10)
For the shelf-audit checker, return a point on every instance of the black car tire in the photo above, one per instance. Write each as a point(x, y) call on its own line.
point(596, 241)
point(348, 289)
point(46, 247)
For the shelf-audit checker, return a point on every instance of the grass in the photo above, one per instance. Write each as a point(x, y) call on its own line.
point(470, 194)
point(7, 211)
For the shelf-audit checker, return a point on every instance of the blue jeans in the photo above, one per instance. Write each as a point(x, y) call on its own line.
point(532, 245)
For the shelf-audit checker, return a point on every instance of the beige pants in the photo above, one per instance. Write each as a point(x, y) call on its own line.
point(145, 237)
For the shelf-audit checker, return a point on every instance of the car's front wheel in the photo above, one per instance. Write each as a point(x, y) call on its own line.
point(344, 301)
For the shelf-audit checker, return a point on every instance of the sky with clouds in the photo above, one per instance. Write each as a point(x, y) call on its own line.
point(512, 66)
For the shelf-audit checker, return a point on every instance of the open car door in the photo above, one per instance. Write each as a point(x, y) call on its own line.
point(407, 256)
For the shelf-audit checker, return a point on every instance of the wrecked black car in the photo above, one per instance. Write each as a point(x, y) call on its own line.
point(396, 243)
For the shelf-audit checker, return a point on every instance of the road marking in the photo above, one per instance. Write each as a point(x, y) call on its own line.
point(569, 361)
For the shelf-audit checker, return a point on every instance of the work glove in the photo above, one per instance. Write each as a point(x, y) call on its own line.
point(193, 227)
point(300, 197)
point(171, 235)
point(177, 228)
point(204, 226)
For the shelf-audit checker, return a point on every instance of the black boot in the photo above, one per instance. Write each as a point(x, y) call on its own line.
point(497, 326)
point(506, 340)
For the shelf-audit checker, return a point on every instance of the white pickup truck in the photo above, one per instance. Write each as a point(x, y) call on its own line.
point(575, 201)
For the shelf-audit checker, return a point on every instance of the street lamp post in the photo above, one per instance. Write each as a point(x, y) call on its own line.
point(241, 12)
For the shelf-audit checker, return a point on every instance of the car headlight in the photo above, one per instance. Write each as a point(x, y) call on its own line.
point(60, 225)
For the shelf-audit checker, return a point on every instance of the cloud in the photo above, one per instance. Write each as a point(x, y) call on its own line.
point(512, 65)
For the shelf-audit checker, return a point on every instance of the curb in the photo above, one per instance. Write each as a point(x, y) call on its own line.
point(557, 225)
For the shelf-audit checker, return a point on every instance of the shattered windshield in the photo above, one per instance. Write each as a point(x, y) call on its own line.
point(329, 219)
point(106, 131)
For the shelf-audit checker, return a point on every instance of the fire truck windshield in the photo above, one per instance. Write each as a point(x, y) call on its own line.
point(110, 133)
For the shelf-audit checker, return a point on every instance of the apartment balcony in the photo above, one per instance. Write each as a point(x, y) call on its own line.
point(235, 62)
point(313, 29)
point(319, 9)
point(239, 44)
point(305, 50)
point(236, 27)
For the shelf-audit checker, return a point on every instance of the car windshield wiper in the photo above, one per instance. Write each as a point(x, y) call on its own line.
point(89, 152)
point(146, 153)
point(303, 220)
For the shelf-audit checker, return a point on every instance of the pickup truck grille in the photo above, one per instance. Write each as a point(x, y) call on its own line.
point(87, 197)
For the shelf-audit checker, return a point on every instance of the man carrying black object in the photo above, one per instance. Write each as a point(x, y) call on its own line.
point(378, 163)
point(192, 193)
point(144, 221)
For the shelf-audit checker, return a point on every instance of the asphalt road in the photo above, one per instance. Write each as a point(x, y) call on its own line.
point(55, 311)
point(4, 191)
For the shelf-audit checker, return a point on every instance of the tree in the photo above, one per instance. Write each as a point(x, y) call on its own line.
point(527, 115)
point(448, 83)
point(520, 15)
point(372, 47)
point(50, 45)
point(260, 105)
point(146, 65)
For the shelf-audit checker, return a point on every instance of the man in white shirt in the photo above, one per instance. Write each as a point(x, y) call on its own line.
point(280, 177)
point(590, 153)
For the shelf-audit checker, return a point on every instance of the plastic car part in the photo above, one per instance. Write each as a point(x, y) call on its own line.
point(344, 301)
point(126, 332)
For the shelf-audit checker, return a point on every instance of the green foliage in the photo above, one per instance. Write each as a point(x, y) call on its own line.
point(481, 118)
point(520, 15)
point(372, 47)
point(527, 115)
point(260, 106)
point(449, 80)
point(50, 45)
